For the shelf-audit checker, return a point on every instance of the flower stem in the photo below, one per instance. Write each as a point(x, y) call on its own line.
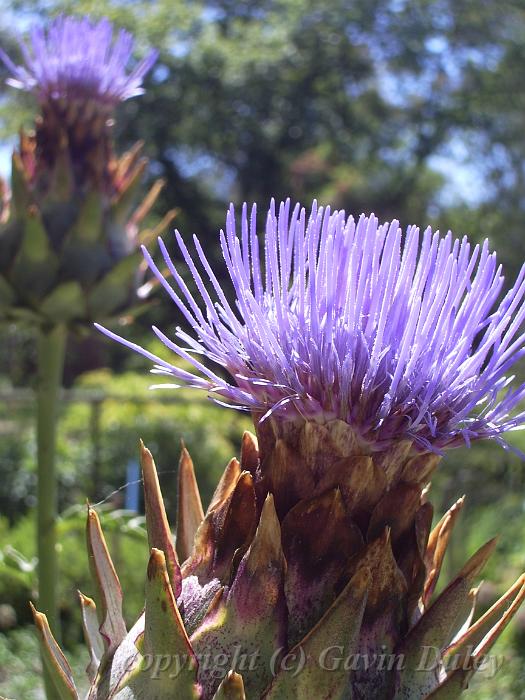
point(51, 348)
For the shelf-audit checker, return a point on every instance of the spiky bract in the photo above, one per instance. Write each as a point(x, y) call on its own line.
point(332, 600)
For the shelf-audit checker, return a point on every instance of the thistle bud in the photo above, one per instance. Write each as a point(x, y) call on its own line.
point(70, 232)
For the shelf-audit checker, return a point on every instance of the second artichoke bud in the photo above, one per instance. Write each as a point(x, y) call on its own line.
point(69, 234)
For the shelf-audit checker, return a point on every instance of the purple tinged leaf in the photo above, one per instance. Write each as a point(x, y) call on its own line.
point(54, 660)
point(251, 615)
point(92, 636)
point(337, 631)
point(164, 637)
point(159, 533)
point(112, 627)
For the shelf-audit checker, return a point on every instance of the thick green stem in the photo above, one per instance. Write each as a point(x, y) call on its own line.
point(51, 347)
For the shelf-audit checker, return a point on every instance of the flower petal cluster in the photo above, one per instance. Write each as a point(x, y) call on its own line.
point(78, 58)
point(400, 335)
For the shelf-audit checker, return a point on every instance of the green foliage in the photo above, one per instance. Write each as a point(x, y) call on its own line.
point(94, 449)
point(17, 466)
point(99, 434)
point(211, 434)
point(507, 684)
point(266, 98)
point(126, 537)
point(20, 665)
point(493, 481)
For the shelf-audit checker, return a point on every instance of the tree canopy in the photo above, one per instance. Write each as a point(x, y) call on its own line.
point(354, 103)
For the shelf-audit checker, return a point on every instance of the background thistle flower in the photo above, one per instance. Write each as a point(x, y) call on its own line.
point(68, 249)
point(78, 58)
point(361, 357)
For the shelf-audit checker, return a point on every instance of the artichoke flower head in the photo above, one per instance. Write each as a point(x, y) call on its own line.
point(69, 237)
point(363, 355)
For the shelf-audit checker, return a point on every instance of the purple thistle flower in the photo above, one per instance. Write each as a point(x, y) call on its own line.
point(399, 336)
point(78, 58)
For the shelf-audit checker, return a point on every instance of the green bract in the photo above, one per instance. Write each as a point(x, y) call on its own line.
point(331, 597)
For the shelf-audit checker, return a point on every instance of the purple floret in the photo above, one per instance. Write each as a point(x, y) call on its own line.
point(401, 336)
point(78, 58)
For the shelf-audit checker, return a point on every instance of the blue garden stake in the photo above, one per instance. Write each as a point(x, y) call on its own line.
point(132, 486)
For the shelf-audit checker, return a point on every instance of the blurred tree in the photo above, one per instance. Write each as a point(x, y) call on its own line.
point(350, 102)
point(260, 99)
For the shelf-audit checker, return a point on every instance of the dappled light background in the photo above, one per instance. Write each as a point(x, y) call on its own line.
point(411, 110)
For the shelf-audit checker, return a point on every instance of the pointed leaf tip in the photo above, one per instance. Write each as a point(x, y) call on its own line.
point(478, 560)
point(159, 533)
point(467, 659)
point(339, 628)
point(53, 658)
point(437, 547)
point(388, 585)
point(252, 613)
point(231, 688)
point(92, 636)
point(112, 627)
point(226, 485)
point(266, 546)
point(189, 513)
point(493, 620)
point(436, 626)
point(249, 452)
point(234, 525)
point(165, 635)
